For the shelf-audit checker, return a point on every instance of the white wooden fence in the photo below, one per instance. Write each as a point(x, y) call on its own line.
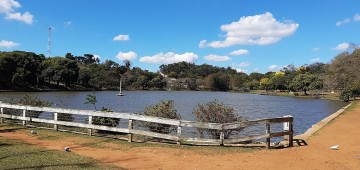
point(179, 124)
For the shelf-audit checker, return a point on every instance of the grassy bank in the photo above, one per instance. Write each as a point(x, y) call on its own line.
point(19, 155)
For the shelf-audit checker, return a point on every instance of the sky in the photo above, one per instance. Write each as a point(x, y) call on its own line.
point(249, 36)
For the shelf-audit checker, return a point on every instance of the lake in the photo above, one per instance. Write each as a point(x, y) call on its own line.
point(306, 112)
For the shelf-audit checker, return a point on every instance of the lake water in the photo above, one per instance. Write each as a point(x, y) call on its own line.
point(306, 112)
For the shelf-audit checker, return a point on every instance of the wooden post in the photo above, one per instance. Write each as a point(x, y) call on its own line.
point(179, 135)
point(291, 132)
point(130, 126)
point(24, 116)
point(2, 115)
point(222, 136)
point(268, 133)
point(90, 122)
point(55, 119)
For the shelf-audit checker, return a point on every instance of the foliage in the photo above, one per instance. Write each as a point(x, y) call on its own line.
point(164, 109)
point(106, 121)
point(31, 101)
point(346, 94)
point(215, 112)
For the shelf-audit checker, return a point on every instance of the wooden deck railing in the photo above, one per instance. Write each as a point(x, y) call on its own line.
point(178, 137)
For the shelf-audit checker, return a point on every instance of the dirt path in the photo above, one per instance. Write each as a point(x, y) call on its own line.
point(344, 131)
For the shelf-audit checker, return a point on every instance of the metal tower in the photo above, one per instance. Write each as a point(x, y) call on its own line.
point(49, 42)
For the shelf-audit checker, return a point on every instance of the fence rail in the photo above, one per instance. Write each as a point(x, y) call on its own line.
point(179, 137)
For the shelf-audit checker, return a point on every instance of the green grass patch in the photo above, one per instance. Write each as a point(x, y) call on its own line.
point(19, 155)
point(354, 105)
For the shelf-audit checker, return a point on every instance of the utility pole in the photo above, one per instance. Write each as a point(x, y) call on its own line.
point(49, 42)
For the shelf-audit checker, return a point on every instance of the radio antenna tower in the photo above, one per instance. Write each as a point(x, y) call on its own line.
point(49, 42)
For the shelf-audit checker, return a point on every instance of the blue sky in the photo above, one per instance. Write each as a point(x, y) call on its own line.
point(250, 36)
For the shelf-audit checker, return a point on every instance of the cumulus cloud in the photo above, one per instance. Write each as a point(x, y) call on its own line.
point(202, 44)
point(213, 57)
point(121, 38)
point(345, 21)
point(25, 17)
point(8, 44)
point(342, 46)
point(126, 56)
point(169, 58)
point(96, 57)
point(274, 68)
point(7, 6)
point(239, 52)
point(357, 17)
point(261, 29)
point(314, 60)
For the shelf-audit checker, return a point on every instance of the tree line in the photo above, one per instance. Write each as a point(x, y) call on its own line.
point(27, 70)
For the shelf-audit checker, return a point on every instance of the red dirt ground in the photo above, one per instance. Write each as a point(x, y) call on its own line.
point(343, 131)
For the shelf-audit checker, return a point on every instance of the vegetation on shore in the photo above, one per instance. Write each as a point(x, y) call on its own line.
point(29, 71)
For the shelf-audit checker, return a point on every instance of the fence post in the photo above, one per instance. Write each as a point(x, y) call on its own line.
point(24, 116)
point(130, 126)
point(222, 136)
point(268, 133)
point(178, 135)
point(90, 123)
point(2, 115)
point(291, 132)
point(55, 119)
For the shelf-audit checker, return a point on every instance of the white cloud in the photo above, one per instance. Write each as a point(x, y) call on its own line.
point(8, 44)
point(26, 17)
point(357, 17)
point(121, 38)
point(126, 56)
point(7, 6)
point(342, 46)
point(96, 57)
point(274, 68)
point(169, 58)
point(345, 21)
point(202, 44)
point(261, 29)
point(239, 52)
point(213, 57)
point(315, 49)
point(314, 60)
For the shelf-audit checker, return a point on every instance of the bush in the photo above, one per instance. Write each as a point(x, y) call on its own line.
point(164, 109)
point(346, 94)
point(106, 121)
point(31, 101)
point(215, 112)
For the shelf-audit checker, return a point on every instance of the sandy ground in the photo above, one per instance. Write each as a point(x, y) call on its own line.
point(343, 131)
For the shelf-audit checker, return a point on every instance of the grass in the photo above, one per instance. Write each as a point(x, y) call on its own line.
point(325, 95)
point(19, 155)
point(122, 145)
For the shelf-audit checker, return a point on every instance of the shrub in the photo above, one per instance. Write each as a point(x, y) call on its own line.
point(107, 121)
point(31, 101)
point(346, 94)
point(215, 112)
point(164, 109)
